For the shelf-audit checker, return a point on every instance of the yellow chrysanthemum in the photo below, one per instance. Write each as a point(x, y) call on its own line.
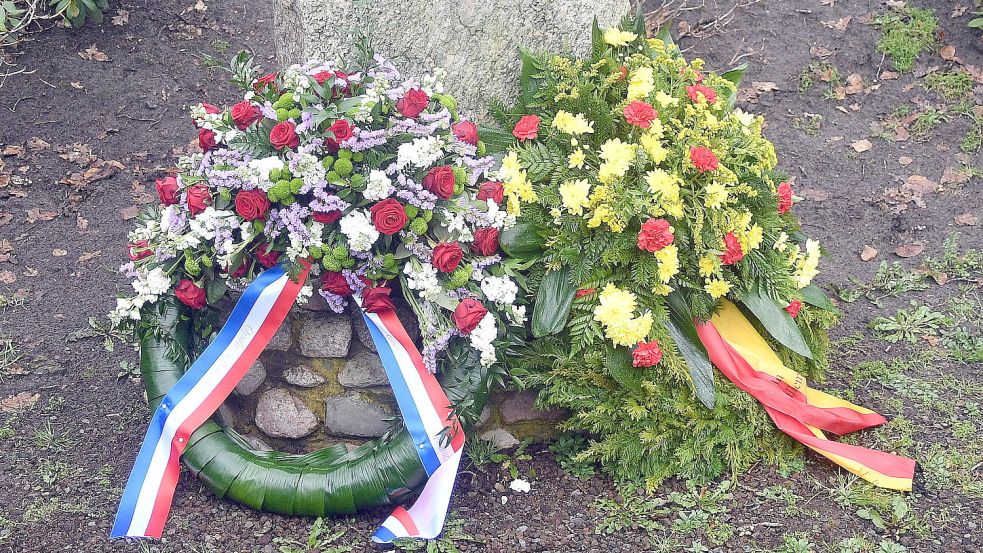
point(615, 306)
point(668, 258)
point(708, 265)
point(717, 288)
point(716, 195)
point(616, 37)
point(665, 100)
point(572, 124)
point(575, 195)
point(652, 145)
point(752, 239)
point(618, 157)
point(577, 159)
point(781, 243)
point(807, 266)
point(641, 83)
point(665, 187)
point(515, 182)
point(629, 332)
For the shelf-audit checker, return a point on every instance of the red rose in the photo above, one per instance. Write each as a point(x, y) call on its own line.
point(485, 241)
point(640, 114)
point(167, 190)
point(198, 199)
point(703, 159)
point(527, 128)
point(266, 255)
point(655, 235)
point(413, 103)
point(244, 114)
point(732, 250)
point(327, 217)
point(139, 250)
point(388, 216)
point(784, 197)
point(466, 131)
point(284, 135)
point(440, 181)
point(264, 80)
point(252, 205)
point(336, 283)
point(584, 292)
point(646, 354)
point(490, 190)
point(240, 270)
point(343, 130)
point(376, 300)
point(190, 294)
point(468, 314)
point(698, 93)
point(447, 256)
point(793, 308)
point(206, 139)
point(209, 108)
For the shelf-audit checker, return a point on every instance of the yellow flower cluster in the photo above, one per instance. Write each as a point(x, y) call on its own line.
point(575, 195)
point(572, 124)
point(616, 311)
point(515, 182)
point(618, 157)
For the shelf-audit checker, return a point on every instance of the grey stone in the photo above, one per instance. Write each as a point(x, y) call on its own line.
point(485, 415)
point(252, 380)
point(316, 303)
point(225, 416)
point(283, 339)
point(520, 406)
point(363, 370)
point(303, 377)
point(256, 443)
point(280, 414)
point(502, 438)
point(405, 316)
point(476, 41)
point(353, 416)
point(326, 336)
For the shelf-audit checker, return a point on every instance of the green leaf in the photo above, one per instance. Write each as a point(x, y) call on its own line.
point(528, 83)
point(776, 321)
point(639, 21)
point(976, 23)
point(553, 301)
point(683, 332)
point(597, 40)
point(734, 75)
point(522, 241)
point(814, 295)
point(495, 139)
point(618, 364)
point(663, 34)
point(215, 289)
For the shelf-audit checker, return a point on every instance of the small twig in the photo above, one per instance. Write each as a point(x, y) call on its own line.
point(13, 108)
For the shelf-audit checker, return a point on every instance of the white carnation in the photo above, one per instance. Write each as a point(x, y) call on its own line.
point(499, 289)
point(421, 152)
point(357, 227)
point(379, 186)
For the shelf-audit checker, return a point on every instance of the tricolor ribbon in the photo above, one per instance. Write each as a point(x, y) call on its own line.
point(742, 355)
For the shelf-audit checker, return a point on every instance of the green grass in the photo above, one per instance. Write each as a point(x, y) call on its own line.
point(950, 85)
point(905, 34)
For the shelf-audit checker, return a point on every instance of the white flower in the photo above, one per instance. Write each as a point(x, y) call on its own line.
point(520, 485)
point(499, 289)
point(357, 227)
point(518, 314)
point(422, 278)
point(421, 152)
point(457, 225)
point(379, 186)
point(261, 170)
point(483, 338)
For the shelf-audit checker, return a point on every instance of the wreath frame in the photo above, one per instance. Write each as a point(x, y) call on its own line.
point(330, 481)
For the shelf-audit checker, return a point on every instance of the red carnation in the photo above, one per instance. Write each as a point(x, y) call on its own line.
point(336, 283)
point(466, 131)
point(447, 256)
point(440, 181)
point(655, 235)
point(266, 255)
point(468, 314)
point(284, 135)
point(527, 128)
point(640, 114)
point(190, 294)
point(485, 241)
point(413, 103)
point(327, 217)
point(732, 250)
point(703, 159)
point(490, 190)
point(698, 92)
point(646, 354)
point(206, 139)
point(252, 205)
point(139, 250)
point(198, 199)
point(265, 80)
point(388, 216)
point(167, 190)
point(584, 292)
point(376, 300)
point(784, 197)
point(244, 114)
point(793, 308)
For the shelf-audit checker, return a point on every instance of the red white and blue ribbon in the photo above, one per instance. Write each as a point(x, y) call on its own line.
point(196, 396)
point(426, 412)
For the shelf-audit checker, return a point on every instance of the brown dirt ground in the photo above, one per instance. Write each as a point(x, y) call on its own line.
point(66, 229)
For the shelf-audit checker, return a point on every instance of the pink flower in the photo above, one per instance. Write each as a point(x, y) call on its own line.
point(732, 250)
point(793, 308)
point(527, 128)
point(699, 92)
point(655, 235)
point(640, 114)
point(646, 354)
point(784, 197)
point(703, 159)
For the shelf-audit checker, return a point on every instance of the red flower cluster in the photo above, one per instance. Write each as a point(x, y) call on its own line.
point(167, 190)
point(468, 314)
point(413, 103)
point(327, 217)
point(206, 139)
point(198, 199)
point(376, 299)
point(640, 114)
point(284, 135)
point(703, 159)
point(139, 250)
point(466, 131)
point(190, 294)
point(343, 130)
point(440, 181)
point(336, 283)
point(447, 256)
point(266, 255)
point(527, 128)
point(583, 292)
point(485, 241)
point(490, 190)
point(252, 205)
point(793, 308)
point(388, 216)
point(699, 92)
point(732, 250)
point(244, 114)
point(784, 197)
point(655, 235)
point(646, 354)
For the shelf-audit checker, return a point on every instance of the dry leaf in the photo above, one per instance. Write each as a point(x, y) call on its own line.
point(868, 253)
point(765, 86)
point(854, 84)
point(958, 11)
point(89, 255)
point(910, 250)
point(93, 54)
point(920, 184)
point(121, 18)
point(19, 402)
point(905, 161)
point(901, 134)
point(77, 85)
point(948, 53)
point(839, 24)
point(966, 220)
point(862, 145)
point(951, 175)
point(889, 75)
point(6, 218)
point(820, 52)
point(130, 212)
point(58, 252)
point(81, 223)
point(7, 277)
point(34, 215)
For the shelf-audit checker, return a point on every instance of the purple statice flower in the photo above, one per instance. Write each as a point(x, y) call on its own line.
point(385, 68)
point(365, 140)
point(485, 262)
point(129, 270)
point(414, 193)
point(306, 122)
point(324, 202)
point(354, 280)
point(479, 166)
point(224, 168)
point(422, 252)
point(268, 110)
point(292, 218)
point(173, 219)
point(432, 349)
point(335, 302)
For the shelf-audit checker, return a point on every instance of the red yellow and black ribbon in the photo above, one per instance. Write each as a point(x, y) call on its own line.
point(743, 356)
